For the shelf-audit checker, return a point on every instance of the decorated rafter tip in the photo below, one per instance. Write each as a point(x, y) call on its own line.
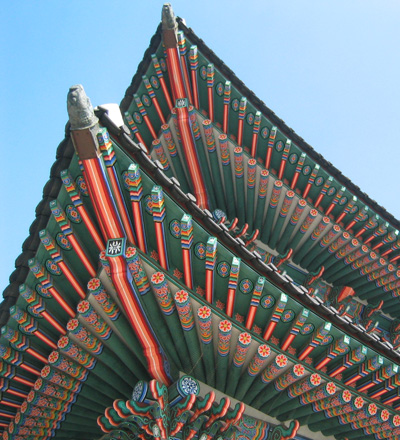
point(163, 292)
point(186, 231)
point(78, 372)
point(289, 377)
point(66, 345)
point(193, 58)
point(166, 131)
point(64, 380)
point(194, 124)
point(205, 324)
point(239, 169)
point(184, 308)
point(158, 204)
point(259, 360)
point(251, 173)
point(106, 147)
point(224, 337)
point(100, 326)
point(76, 329)
point(275, 195)
point(224, 147)
point(211, 253)
point(136, 268)
point(159, 150)
point(242, 347)
point(95, 288)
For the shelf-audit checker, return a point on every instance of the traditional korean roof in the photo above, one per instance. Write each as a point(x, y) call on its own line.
point(203, 241)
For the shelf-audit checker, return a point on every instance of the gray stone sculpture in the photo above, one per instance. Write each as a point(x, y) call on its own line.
point(168, 18)
point(80, 110)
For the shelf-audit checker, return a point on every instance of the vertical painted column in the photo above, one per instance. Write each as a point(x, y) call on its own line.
point(110, 161)
point(251, 183)
point(276, 316)
point(310, 182)
point(284, 158)
point(227, 101)
point(295, 329)
point(286, 204)
point(261, 199)
point(194, 66)
point(133, 182)
point(211, 259)
point(210, 90)
point(232, 285)
point(186, 245)
point(158, 148)
point(144, 115)
point(227, 175)
point(182, 54)
point(239, 177)
point(324, 190)
point(256, 131)
point(241, 116)
point(157, 199)
point(271, 141)
point(239, 357)
point(294, 219)
point(254, 303)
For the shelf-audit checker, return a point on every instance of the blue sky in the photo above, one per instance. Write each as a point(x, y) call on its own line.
point(330, 70)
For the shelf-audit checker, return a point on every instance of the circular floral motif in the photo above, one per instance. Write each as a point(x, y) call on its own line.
point(137, 117)
point(293, 158)
point(319, 181)
point(139, 391)
point(331, 191)
point(203, 72)
point(264, 350)
point(219, 88)
point(359, 402)
point(163, 65)
point(343, 200)
point(298, 370)
point(146, 100)
point(281, 360)
point(189, 385)
point(245, 338)
point(307, 329)
point(154, 82)
point(315, 379)
point(279, 146)
point(204, 312)
point(331, 388)
point(42, 291)
point(235, 104)
point(148, 205)
point(175, 228)
point(287, 316)
point(327, 340)
point(80, 181)
point(267, 301)
point(225, 326)
point(354, 209)
point(181, 296)
point(53, 268)
point(246, 286)
point(372, 409)
point(73, 214)
point(307, 170)
point(250, 118)
point(223, 269)
point(94, 283)
point(396, 420)
point(63, 242)
point(200, 250)
point(264, 132)
point(218, 215)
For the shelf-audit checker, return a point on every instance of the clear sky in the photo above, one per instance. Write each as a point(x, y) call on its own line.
point(329, 69)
